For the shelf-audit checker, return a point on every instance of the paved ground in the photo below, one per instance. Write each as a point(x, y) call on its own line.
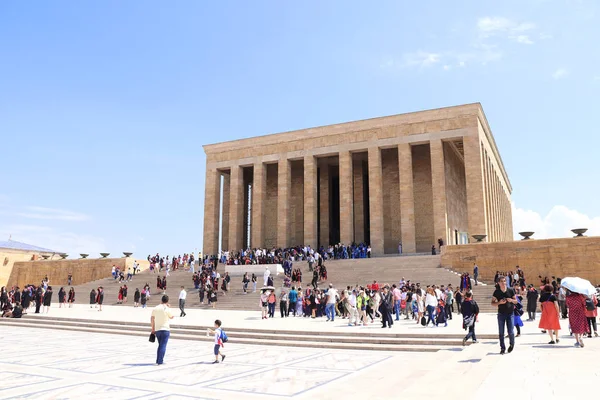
point(49, 364)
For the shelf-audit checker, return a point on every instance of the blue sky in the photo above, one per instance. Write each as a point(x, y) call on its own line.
point(104, 106)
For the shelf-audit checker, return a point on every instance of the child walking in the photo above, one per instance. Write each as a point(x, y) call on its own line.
point(218, 332)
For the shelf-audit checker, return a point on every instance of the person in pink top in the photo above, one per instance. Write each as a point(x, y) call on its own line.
point(397, 293)
point(591, 317)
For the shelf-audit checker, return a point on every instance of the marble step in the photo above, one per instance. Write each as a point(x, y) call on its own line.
point(250, 341)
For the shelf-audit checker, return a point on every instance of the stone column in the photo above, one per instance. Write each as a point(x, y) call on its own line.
point(324, 204)
point(225, 212)
point(476, 198)
point(259, 191)
point(376, 201)
point(346, 198)
point(310, 201)
point(407, 201)
point(284, 178)
point(438, 184)
point(236, 209)
point(211, 212)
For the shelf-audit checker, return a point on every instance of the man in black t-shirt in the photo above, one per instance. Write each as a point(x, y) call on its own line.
point(504, 298)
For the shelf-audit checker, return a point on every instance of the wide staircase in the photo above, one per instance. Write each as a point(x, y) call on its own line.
point(341, 273)
point(425, 270)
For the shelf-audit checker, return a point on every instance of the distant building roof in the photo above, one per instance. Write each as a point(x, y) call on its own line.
point(14, 245)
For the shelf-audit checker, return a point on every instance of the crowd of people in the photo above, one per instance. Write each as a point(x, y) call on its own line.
point(14, 302)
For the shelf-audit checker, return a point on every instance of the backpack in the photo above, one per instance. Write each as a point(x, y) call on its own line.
point(589, 304)
point(224, 337)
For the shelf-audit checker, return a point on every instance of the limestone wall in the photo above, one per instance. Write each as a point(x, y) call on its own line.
point(423, 196)
point(456, 193)
point(83, 270)
point(391, 200)
point(9, 257)
point(546, 257)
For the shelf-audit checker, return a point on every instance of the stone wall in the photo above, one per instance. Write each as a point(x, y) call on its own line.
point(545, 257)
point(83, 270)
point(271, 207)
point(296, 217)
point(456, 193)
point(359, 206)
point(423, 196)
point(391, 201)
point(9, 257)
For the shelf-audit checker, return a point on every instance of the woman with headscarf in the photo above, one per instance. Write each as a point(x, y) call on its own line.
point(71, 297)
point(577, 318)
point(61, 297)
point(48, 299)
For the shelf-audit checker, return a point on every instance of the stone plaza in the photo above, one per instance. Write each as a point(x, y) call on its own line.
point(412, 178)
point(71, 364)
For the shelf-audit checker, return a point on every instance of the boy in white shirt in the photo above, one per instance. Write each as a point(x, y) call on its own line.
point(218, 341)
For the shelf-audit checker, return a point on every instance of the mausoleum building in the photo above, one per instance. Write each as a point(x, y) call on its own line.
point(410, 178)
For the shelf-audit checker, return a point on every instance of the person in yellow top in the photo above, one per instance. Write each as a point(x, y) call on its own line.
point(361, 304)
point(161, 314)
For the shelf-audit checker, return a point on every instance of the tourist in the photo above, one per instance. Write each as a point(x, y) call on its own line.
point(272, 300)
point(218, 332)
point(129, 274)
point(400, 248)
point(70, 279)
point(475, 273)
point(125, 291)
point(92, 297)
point(577, 318)
point(161, 314)
point(182, 296)
point(299, 302)
point(293, 298)
point(470, 312)
point(245, 281)
point(120, 295)
point(532, 298)
point(39, 294)
point(264, 304)
point(62, 297)
point(48, 299)
point(562, 302)
point(449, 302)
point(433, 252)
point(136, 297)
point(591, 314)
point(144, 298)
point(431, 303)
point(283, 304)
point(16, 312)
point(397, 293)
point(550, 314)
point(387, 304)
point(71, 297)
point(351, 306)
point(100, 297)
point(332, 297)
point(254, 279)
point(212, 297)
point(504, 298)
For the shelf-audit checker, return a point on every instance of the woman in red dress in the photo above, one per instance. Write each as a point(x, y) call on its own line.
point(577, 318)
point(550, 314)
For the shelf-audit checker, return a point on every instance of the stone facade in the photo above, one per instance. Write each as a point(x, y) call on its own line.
point(578, 256)
point(411, 178)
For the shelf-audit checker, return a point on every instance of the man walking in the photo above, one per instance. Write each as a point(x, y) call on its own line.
point(182, 296)
point(331, 300)
point(387, 302)
point(504, 298)
point(397, 300)
point(470, 310)
point(475, 273)
point(532, 298)
point(160, 327)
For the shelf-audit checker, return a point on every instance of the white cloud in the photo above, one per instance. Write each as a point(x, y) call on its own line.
point(523, 39)
point(545, 36)
point(504, 27)
point(421, 59)
point(447, 67)
point(560, 73)
point(557, 223)
point(597, 78)
point(34, 212)
point(461, 64)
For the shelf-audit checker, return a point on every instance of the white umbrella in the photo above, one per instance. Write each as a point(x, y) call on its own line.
point(578, 285)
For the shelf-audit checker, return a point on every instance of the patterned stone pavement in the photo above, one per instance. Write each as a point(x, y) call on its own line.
point(54, 364)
